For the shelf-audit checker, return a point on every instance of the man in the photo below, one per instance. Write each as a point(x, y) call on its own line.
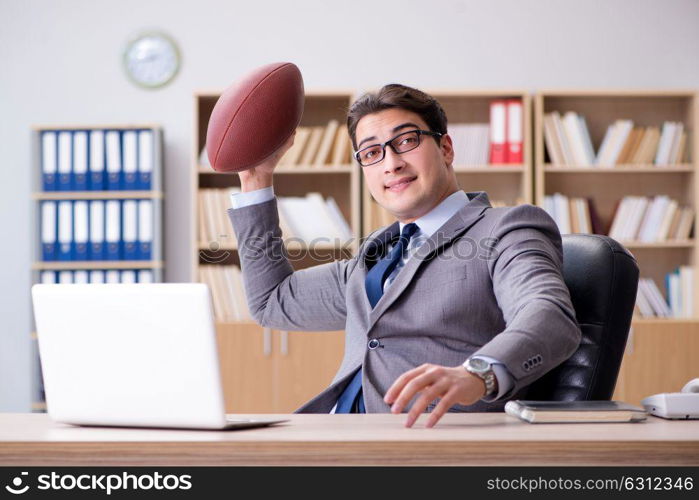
point(457, 306)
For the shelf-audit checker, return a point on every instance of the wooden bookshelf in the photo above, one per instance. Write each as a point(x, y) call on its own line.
point(607, 185)
point(654, 343)
point(511, 184)
point(265, 370)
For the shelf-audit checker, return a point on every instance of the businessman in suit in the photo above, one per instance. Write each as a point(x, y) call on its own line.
point(457, 306)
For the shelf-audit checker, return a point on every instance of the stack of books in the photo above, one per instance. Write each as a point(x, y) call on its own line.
point(651, 220)
point(650, 302)
point(98, 276)
point(568, 143)
point(320, 146)
point(310, 219)
point(97, 159)
point(573, 215)
point(227, 292)
point(471, 143)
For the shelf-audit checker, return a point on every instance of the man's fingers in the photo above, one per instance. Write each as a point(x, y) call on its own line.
point(400, 382)
point(413, 387)
point(428, 395)
point(447, 401)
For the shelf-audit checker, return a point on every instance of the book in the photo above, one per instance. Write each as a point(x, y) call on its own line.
point(540, 412)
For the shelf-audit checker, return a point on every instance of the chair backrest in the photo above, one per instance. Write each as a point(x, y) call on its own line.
point(602, 277)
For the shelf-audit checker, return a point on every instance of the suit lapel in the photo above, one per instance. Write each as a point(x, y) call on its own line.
point(453, 228)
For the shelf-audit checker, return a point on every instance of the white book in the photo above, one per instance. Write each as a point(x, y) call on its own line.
point(96, 151)
point(130, 155)
point(649, 234)
point(130, 224)
point(604, 147)
point(633, 222)
point(65, 226)
point(145, 151)
point(48, 222)
point(96, 276)
point(668, 215)
point(660, 304)
point(587, 141)
point(48, 277)
point(619, 140)
point(619, 216)
point(662, 154)
point(562, 138)
point(674, 294)
point(65, 277)
point(111, 276)
point(229, 278)
point(687, 290)
point(571, 126)
point(65, 153)
point(675, 143)
point(97, 221)
point(145, 222)
point(320, 218)
point(642, 301)
point(113, 147)
point(127, 276)
point(81, 223)
point(49, 162)
point(112, 226)
point(562, 213)
point(81, 277)
point(295, 211)
point(80, 156)
point(145, 276)
point(339, 219)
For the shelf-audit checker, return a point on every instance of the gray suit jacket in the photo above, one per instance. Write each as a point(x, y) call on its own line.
point(487, 282)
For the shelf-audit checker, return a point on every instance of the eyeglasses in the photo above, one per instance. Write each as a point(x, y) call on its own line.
point(402, 143)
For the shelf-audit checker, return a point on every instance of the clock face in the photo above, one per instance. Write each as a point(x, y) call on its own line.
point(152, 60)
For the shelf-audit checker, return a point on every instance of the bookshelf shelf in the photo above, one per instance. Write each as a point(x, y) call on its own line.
point(78, 265)
point(631, 245)
point(98, 195)
point(290, 245)
point(489, 169)
point(301, 169)
point(664, 321)
point(620, 169)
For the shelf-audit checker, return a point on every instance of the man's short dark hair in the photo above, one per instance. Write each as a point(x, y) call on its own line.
point(395, 95)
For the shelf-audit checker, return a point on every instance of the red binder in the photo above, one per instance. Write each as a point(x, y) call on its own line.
point(513, 139)
point(498, 132)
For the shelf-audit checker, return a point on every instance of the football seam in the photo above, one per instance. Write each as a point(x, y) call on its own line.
point(230, 123)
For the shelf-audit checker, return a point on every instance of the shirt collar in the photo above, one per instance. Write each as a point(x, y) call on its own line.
point(435, 218)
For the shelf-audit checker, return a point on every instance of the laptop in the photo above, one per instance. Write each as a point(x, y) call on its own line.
point(133, 355)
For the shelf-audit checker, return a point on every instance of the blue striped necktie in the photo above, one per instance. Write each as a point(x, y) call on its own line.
point(351, 400)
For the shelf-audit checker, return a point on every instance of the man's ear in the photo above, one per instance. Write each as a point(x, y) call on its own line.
point(447, 147)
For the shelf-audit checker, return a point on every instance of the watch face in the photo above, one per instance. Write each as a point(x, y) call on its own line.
point(152, 60)
point(478, 364)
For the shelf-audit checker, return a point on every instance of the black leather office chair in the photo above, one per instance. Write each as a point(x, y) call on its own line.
point(602, 277)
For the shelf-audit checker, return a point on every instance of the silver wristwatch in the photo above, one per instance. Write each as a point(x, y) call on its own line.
point(483, 369)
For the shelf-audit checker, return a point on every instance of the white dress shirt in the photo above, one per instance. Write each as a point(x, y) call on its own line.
point(427, 226)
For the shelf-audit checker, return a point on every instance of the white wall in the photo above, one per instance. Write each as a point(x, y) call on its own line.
point(60, 62)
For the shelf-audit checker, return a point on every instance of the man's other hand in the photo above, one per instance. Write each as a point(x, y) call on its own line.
point(452, 385)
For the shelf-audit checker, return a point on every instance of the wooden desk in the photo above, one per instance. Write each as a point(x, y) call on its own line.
point(375, 439)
